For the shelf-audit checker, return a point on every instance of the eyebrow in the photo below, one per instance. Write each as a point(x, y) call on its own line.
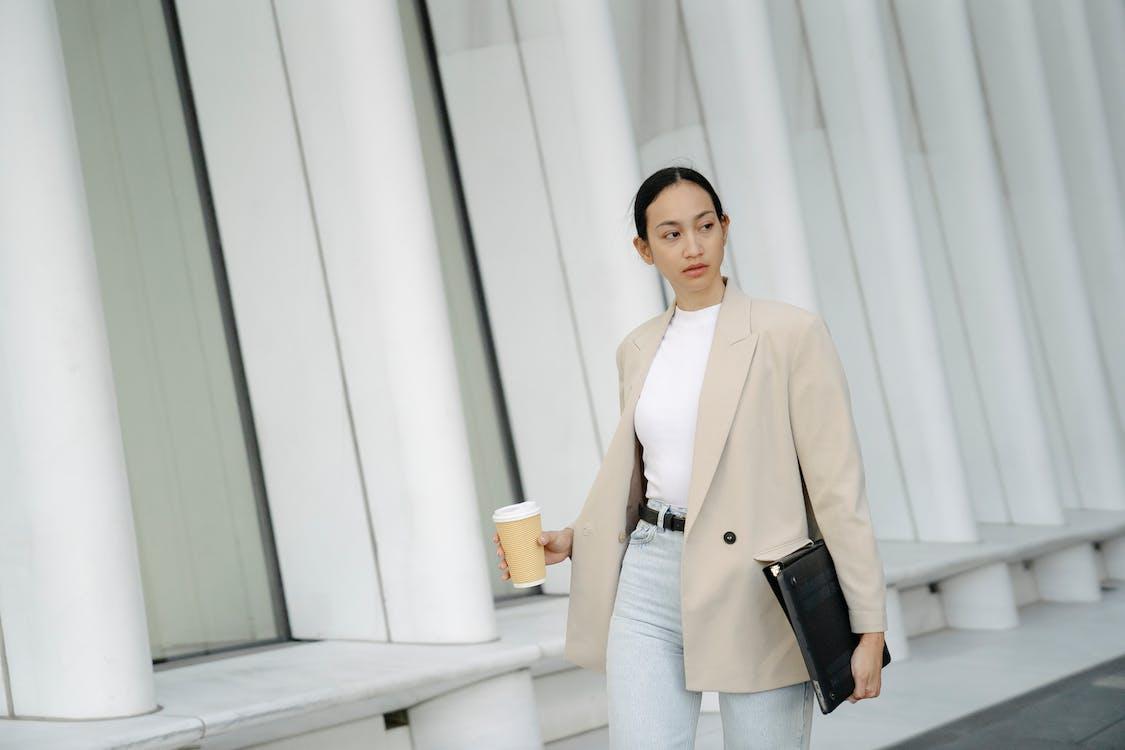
point(698, 216)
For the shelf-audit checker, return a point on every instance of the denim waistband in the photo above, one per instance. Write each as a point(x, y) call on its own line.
point(672, 510)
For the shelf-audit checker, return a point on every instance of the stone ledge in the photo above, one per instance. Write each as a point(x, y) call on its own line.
point(242, 699)
point(910, 564)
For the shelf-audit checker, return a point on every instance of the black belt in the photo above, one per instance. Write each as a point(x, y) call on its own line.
point(675, 523)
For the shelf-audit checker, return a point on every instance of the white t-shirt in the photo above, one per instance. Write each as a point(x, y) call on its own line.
point(668, 406)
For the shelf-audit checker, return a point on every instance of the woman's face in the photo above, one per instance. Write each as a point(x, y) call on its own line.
point(684, 232)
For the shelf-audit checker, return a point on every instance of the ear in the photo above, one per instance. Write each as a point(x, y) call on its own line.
point(642, 249)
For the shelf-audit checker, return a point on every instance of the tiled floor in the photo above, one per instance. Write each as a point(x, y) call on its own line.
point(1083, 711)
point(1016, 688)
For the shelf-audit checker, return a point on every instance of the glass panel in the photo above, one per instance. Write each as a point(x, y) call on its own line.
point(209, 572)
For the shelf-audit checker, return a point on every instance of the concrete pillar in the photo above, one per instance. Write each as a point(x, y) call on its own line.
point(980, 599)
point(1113, 556)
point(1068, 575)
point(1024, 587)
point(354, 111)
point(733, 56)
point(611, 300)
point(850, 63)
point(75, 636)
point(1106, 20)
point(1096, 197)
point(318, 509)
point(980, 255)
point(1100, 561)
point(1073, 386)
point(896, 638)
point(5, 692)
point(498, 712)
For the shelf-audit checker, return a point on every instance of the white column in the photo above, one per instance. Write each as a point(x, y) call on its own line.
point(507, 157)
point(851, 70)
point(498, 712)
point(738, 84)
point(1068, 575)
point(898, 643)
point(1106, 19)
point(5, 693)
point(1113, 556)
point(611, 289)
point(1096, 196)
point(831, 262)
point(981, 254)
point(981, 598)
point(74, 628)
point(355, 115)
point(1073, 385)
point(318, 512)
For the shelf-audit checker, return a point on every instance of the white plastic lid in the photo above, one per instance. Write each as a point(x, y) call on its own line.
point(515, 511)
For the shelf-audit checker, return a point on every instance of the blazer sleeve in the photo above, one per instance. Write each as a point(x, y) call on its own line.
point(827, 445)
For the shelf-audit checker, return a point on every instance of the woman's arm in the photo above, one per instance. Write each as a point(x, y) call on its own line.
point(827, 445)
point(824, 434)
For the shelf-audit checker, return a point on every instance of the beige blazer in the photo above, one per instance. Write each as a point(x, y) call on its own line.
point(774, 390)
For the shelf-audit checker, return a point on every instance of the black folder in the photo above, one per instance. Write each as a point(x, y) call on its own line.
point(805, 583)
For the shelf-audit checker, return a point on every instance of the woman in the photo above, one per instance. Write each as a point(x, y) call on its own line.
point(735, 423)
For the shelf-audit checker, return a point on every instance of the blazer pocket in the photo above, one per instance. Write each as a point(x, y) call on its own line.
point(778, 551)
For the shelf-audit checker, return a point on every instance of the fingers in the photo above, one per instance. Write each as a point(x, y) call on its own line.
point(503, 564)
point(862, 692)
point(867, 675)
point(546, 539)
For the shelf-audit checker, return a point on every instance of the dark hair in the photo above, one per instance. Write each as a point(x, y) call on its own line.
point(656, 183)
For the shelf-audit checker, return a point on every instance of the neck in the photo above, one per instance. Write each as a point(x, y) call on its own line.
point(696, 299)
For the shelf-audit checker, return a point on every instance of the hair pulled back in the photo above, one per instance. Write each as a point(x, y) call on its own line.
point(655, 184)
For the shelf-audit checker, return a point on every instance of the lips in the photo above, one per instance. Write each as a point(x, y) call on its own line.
point(696, 267)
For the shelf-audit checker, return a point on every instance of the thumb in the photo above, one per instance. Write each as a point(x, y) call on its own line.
point(546, 538)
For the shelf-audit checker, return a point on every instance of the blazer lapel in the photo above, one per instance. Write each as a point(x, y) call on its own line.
point(732, 350)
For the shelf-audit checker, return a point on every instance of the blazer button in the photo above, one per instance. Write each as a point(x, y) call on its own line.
point(621, 537)
point(729, 537)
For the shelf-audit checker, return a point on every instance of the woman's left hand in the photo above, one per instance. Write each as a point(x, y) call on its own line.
point(867, 666)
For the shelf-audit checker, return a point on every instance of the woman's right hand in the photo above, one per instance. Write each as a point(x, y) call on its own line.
point(556, 548)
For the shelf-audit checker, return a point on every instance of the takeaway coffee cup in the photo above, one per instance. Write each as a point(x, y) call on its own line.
point(519, 526)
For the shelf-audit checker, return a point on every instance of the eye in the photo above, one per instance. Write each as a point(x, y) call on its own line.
point(708, 225)
point(669, 235)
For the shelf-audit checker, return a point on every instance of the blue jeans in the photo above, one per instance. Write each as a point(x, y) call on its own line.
point(649, 705)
